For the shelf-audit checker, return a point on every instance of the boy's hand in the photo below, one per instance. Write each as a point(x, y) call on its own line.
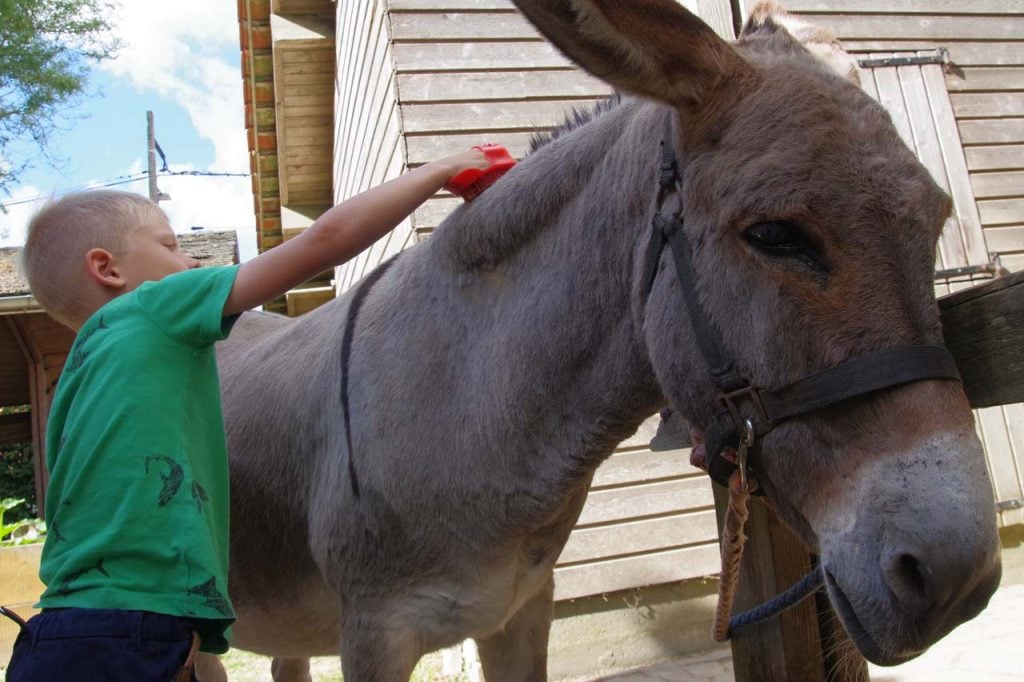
point(474, 178)
point(470, 159)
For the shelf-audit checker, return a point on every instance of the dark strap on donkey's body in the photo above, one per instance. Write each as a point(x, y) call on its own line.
point(745, 412)
point(358, 297)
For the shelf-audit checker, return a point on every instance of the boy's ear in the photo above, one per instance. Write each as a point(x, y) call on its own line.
point(103, 268)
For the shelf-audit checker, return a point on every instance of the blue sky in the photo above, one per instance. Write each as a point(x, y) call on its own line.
point(181, 61)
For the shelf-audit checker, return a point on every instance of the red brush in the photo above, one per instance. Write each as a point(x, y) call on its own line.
point(470, 183)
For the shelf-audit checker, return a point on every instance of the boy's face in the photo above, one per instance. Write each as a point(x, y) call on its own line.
point(152, 254)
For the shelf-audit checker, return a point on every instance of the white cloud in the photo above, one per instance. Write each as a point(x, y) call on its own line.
point(177, 49)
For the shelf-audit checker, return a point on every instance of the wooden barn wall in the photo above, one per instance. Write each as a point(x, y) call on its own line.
point(367, 136)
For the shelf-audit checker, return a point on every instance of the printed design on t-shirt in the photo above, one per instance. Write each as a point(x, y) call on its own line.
point(212, 596)
point(54, 532)
point(199, 495)
point(65, 588)
point(172, 480)
point(79, 356)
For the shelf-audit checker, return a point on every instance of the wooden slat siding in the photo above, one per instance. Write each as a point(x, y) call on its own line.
point(992, 131)
point(902, 6)
point(964, 206)
point(1006, 238)
point(1002, 211)
point(988, 104)
point(482, 86)
point(487, 117)
point(993, 157)
point(369, 149)
point(848, 27)
point(493, 56)
point(646, 499)
point(986, 79)
point(635, 537)
point(655, 568)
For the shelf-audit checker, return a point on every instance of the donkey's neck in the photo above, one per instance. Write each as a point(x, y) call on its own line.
point(547, 261)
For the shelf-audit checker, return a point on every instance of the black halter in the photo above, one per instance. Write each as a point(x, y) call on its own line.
point(746, 412)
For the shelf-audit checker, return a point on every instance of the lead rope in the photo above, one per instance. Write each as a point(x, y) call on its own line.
point(733, 541)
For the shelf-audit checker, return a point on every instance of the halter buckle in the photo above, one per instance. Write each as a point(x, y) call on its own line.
point(730, 400)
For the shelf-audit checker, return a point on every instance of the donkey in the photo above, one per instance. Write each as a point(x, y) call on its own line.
point(495, 366)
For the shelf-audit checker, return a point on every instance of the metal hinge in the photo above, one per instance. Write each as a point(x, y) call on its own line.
point(941, 56)
point(994, 269)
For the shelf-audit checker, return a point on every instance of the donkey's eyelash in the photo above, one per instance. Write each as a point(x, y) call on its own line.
point(785, 239)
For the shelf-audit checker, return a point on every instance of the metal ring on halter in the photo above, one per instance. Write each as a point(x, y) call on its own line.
point(746, 442)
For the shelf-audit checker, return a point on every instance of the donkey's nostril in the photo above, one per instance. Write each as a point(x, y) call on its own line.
point(907, 577)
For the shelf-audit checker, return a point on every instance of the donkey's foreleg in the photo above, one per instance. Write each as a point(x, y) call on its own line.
point(289, 670)
point(376, 648)
point(519, 652)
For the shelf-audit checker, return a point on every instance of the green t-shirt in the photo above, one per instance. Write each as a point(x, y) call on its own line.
point(137, 504)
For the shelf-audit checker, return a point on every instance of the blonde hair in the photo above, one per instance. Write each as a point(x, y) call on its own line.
point(64, 230)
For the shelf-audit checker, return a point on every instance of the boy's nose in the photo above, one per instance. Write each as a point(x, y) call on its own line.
point(192, 263)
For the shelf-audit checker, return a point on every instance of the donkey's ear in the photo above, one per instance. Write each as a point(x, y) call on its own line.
point(654, 48)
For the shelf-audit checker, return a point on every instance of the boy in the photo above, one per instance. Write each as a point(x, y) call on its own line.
point(136, 556)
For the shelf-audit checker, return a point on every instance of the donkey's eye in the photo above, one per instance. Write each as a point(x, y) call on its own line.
point(784, 239)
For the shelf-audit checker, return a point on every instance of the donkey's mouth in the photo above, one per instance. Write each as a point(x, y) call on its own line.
point(867, 645)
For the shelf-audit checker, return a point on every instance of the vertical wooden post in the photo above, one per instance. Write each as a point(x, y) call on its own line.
point(154, 192)
point(40, 405)
point(799, 644)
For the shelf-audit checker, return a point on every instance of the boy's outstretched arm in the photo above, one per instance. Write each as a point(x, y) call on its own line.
point(342, 232)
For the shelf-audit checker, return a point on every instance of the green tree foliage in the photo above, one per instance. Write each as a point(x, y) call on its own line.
point(47, 48)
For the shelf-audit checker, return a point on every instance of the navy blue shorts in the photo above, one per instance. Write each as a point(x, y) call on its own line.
point(101, 645)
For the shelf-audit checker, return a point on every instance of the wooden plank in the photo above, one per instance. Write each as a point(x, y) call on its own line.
point(643, 465)
point(890, 96)
point(301, 301)
point(650, 499)
point(495, 56)
point(424, 148)
point(987, 104)
point(487, 85)
point(983, 327)
point(929, 151)
point(449, 5)
point(984, 79)
point(1003, 239)
point(583, 580)
point(1008, 27)
point(1002, 211)
point(992, 429)
point(995, 157)
point(903, 6)
point(992, 131)
point(462, 26)
point(488, 116)
point(965, 208)
point(634, 537)
point(789, 647)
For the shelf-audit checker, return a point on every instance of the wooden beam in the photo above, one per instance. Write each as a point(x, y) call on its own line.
point(40, 405)
point(984, 330)
point(796, 645)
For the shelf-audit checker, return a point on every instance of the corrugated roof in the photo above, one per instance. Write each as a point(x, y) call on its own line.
point(209, 248)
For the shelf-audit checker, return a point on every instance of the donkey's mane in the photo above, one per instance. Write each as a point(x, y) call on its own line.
point(574, 119)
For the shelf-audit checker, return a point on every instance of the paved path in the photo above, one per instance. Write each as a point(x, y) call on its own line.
point(989, 648)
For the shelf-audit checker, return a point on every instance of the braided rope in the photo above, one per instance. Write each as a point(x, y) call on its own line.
point(796, 593)
point(733, 540)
